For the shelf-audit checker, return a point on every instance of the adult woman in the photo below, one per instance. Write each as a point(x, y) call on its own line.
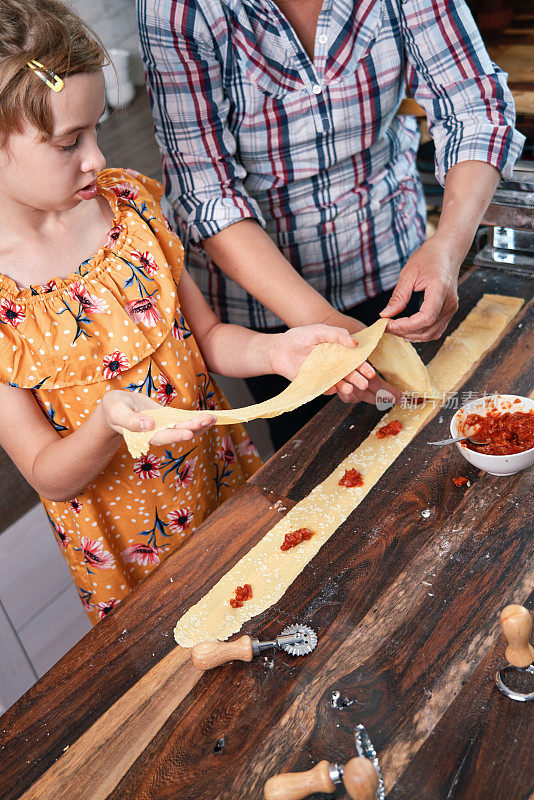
point(284, 114)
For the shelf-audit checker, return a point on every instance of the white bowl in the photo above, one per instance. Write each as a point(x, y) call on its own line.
point(495, 465)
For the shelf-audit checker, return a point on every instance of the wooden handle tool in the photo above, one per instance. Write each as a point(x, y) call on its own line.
point(297, 785)
point(207, 655)
point(358, 776)
point(360, 779)
point(297, 640)
point(516, 625)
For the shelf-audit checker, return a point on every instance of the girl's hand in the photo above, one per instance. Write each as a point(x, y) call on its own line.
point(346, 390)
point(290, 349)
point(430, 269)
point(125, 410)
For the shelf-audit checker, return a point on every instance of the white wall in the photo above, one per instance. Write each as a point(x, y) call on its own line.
point(116, 24)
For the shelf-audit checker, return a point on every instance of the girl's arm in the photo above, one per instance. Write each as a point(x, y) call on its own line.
point(59, 468)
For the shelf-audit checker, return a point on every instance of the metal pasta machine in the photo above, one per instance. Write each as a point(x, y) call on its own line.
point(507, 240)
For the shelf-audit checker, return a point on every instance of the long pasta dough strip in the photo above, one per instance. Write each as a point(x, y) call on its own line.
point(326, 365)
point(269, 570)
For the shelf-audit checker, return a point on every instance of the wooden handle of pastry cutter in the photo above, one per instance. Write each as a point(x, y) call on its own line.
point(360, 779)
point(297, 785)
point(206, 655)
point(516, 624)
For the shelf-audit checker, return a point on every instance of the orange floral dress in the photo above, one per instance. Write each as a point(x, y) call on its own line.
point(116, 323)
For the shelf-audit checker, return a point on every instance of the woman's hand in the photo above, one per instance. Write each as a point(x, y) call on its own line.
point(290, 349)
point(346, 390)
point(432, 270)
point(125, 410)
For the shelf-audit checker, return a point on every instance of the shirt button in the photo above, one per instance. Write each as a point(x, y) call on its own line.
point(323, 39)
point(316, 89)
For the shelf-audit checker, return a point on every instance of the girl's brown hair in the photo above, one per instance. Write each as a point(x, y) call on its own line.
point(50, 32)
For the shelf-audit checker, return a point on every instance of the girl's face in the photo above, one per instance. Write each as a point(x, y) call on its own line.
point(57, 174)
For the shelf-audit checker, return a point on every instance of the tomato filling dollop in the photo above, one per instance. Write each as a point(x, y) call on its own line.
point(242, 593)
point(296, 537)
point(506, 432)
point(391, 429)
point(351, 478)
point(461, 481)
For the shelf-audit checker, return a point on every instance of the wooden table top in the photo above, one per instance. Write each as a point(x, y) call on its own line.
point(405, 607)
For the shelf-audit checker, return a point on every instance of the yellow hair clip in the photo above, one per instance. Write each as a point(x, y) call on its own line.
point(56, 84)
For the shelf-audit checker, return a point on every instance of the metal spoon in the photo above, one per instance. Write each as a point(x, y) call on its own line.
point(458, 439)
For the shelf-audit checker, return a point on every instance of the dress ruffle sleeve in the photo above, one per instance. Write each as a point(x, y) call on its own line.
point(110, 314)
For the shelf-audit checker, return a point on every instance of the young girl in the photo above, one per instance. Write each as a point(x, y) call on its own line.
point(99, 321)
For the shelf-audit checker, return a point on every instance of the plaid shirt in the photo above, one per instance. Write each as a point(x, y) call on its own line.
point(249, 126)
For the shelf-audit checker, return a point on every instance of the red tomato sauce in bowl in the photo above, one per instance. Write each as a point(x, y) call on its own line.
point(507, 432)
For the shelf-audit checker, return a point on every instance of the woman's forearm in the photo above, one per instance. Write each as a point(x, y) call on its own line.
point(248, 256)
point(66, 466)
point(469, 187)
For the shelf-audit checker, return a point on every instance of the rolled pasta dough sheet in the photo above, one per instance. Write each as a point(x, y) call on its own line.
point(269, 570)
point(394, 358)
point(326, 365)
